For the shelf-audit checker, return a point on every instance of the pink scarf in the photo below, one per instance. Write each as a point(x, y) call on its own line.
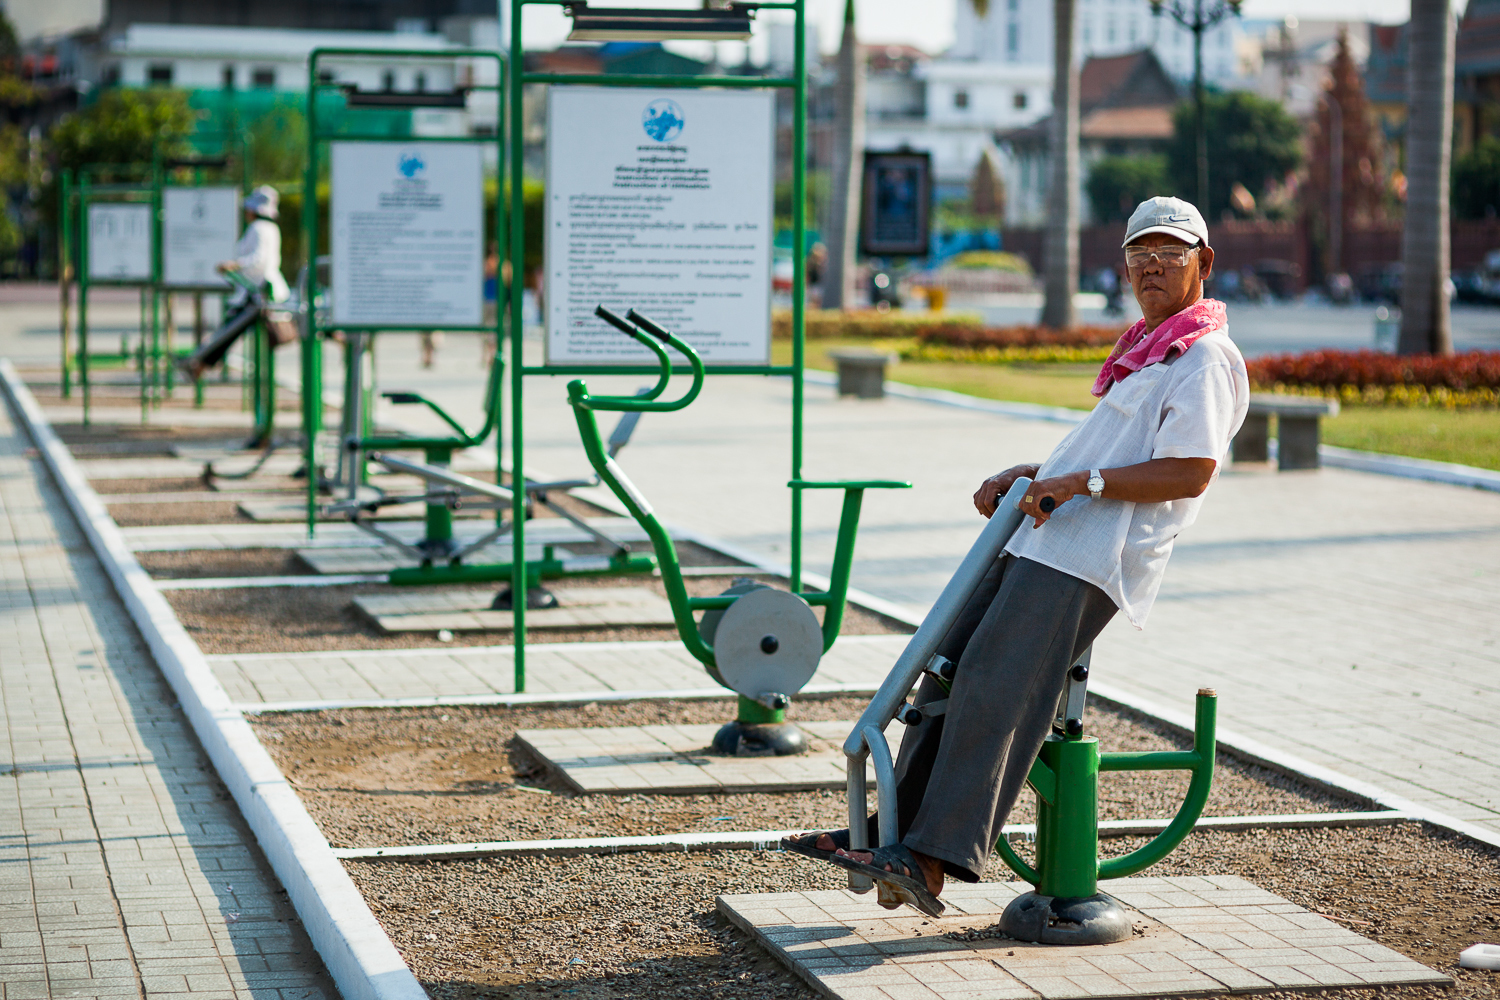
point(1136, 349)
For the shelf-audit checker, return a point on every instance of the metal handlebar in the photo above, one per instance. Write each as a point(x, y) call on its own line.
point(654, 336)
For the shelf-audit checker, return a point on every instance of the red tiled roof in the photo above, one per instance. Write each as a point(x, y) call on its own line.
point(1101, 76)
point(1127, 123)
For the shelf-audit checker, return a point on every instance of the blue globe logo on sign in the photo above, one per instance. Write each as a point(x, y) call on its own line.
point(662, 119)
point(410, 164)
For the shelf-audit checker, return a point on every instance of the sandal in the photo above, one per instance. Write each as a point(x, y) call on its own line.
point(807, 844)
point(904, 879)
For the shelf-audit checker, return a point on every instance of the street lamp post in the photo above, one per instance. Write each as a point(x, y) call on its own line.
point(1198, 16)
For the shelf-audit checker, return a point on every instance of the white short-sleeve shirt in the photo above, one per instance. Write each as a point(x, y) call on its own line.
point(1189, 407)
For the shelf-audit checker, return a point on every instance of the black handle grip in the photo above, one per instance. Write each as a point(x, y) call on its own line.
point(1047, 505)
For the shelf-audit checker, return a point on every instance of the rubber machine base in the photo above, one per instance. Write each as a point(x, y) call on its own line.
point(1096, 919)
point(759, 739)
point(537, 598)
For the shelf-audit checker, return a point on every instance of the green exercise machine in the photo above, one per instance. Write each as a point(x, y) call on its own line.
point(1066, 906)
point(760, 642)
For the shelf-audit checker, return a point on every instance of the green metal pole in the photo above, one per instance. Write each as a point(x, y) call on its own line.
point(799, 241)
point(141, 361)
point(312, 350)
point(517, 262)
point(83, 298)
point(65, 273)
point(1067, 829)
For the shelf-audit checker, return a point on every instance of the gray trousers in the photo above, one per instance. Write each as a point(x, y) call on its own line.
point(959, 774)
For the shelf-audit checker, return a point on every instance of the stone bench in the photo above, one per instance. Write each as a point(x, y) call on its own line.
point(1297, 430)
point(862, 371)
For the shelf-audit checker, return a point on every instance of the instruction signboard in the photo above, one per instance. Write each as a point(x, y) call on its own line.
point(408, 234)
point(660, 201)
point(120, 242)
point(199, 227)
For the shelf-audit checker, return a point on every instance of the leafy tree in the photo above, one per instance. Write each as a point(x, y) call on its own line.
point(1117, 184)
point(1476, 181)
point(278, 145)
point(1252, 141)
point(124, 127)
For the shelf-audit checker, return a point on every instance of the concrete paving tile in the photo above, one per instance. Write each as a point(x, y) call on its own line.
point(1165, 962)
point(150, 793)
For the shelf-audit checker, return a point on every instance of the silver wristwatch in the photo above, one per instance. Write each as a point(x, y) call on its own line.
point(1096, 484)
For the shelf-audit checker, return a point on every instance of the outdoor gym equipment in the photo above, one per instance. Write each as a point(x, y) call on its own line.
point(646, 24)
point(147, 187)
point(764, 644)
point(1066, 906)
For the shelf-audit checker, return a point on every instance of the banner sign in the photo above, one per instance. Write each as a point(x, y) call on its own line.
point(659, 200)
point(408, 234)
point(897, 217)
point(120, 246)
point(200, 227)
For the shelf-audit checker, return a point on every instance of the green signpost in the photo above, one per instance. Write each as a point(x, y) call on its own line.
point(604, 24)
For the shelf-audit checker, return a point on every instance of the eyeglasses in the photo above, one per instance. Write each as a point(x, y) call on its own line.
point(1169, 256)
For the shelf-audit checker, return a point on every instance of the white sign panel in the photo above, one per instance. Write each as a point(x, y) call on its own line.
point(200, 227)
point(119, 242)
point(408, 234)
point(659, 200)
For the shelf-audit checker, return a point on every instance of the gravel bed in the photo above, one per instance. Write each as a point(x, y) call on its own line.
point(644, 925)
point(137, 515)
point(108, 487)
point(302, 619)
point(373, 778)
point(203, 563)
point(111, 440)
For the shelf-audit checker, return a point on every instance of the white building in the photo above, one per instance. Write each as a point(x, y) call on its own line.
point(196, 57)
point(997, 77)
point(199, 57)
point(1021, 33)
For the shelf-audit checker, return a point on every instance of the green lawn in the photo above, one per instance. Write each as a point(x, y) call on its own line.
point(1469, 437)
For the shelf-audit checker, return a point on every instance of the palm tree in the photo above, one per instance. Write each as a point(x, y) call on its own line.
point(1429, 136)
point(1060, 248)
point(848, 168)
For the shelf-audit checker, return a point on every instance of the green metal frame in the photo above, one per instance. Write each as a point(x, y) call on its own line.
point(797, 84)
point(77, 191)
point(78, 194)
point(683, 606)
point(435, 449)
point(1065, 777)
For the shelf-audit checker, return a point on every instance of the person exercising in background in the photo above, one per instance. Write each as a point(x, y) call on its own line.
point(257, 258)
point(1118, 490)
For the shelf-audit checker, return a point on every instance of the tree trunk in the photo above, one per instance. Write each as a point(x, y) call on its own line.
point(1060, 251)
point(848, 170)
point(1429, 139)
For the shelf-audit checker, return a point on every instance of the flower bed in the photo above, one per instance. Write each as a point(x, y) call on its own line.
point(992, 354)
point(1370, 378)
point(964, 332)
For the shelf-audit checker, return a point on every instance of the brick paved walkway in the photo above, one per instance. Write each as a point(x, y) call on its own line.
point(125, 869)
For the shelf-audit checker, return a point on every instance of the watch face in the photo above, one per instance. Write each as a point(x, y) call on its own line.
point(1096, 484)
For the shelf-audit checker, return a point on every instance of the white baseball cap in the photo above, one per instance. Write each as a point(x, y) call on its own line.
point(264, 202)
point(1172, 216)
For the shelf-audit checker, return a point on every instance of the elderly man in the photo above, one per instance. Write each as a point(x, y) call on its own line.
point(1124, 483)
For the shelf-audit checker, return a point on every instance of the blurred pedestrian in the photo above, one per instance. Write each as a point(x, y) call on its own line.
point(257, 259)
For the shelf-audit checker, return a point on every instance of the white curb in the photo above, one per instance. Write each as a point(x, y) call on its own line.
point(359, 955)
point(765, 840)
point(1409, 468)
